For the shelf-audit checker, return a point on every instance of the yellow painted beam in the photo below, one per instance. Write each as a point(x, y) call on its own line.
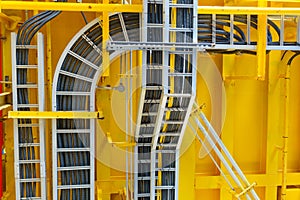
point(54, 115)
point(261, 42)
point(247, 10)
point(86, 7)
point(262, 180)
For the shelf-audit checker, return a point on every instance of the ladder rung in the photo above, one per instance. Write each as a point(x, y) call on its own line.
point(29, 180)
point(28, 161)
point(73, 168)
point(28, 105)
point(27, 66)
point(27, 86)
point(181, 5)
point(72, 149)
point(73, 131)
point(28, 125)
point(165, 187)
point(26, 46)
point(66, 187)
point(29, 144)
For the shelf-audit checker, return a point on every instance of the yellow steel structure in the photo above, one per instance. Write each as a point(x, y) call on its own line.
point(261, 128)
point(54, 115)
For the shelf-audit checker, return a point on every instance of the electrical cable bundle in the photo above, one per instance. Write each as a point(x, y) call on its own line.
point(76, 71)
point(24, 37)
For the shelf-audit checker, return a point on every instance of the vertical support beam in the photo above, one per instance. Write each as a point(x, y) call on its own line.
point(41, 98)
point(92, 158)
point(1, 123)
point(49, 103)
point(105, 39)
point(273, 116)
point(54, 159)
point(261, 42)
point(298, 29)
point(15, 107)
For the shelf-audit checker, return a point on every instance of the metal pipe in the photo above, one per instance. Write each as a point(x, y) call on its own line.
point(285, 131)
point(226, 152)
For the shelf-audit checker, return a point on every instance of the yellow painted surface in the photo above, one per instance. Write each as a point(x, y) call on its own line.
point(253, 125)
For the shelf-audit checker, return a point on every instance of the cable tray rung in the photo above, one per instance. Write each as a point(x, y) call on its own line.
point(149, 114)
point(29, 180)
point(172, 122)
point(75, 131)
point(26, 66)
point(73, 168)
point(26, 46)
point(29, 161)
point(178, 95)
point(181, 5)
point(28, 125)
point(66, 187)
point(29, 144)
point(154, 101)
point(147, 125)
point(72, 149)
point(181, 74)
point(72, 93)
point(165, 187)
point(27, 86)
point(28, 105)
point(176, 109)
point(143, 195)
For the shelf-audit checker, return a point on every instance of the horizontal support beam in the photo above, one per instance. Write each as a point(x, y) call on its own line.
point(54, 115)
point(62, 6)
point(248, 10)
point(262, 180)
point(95, 7)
